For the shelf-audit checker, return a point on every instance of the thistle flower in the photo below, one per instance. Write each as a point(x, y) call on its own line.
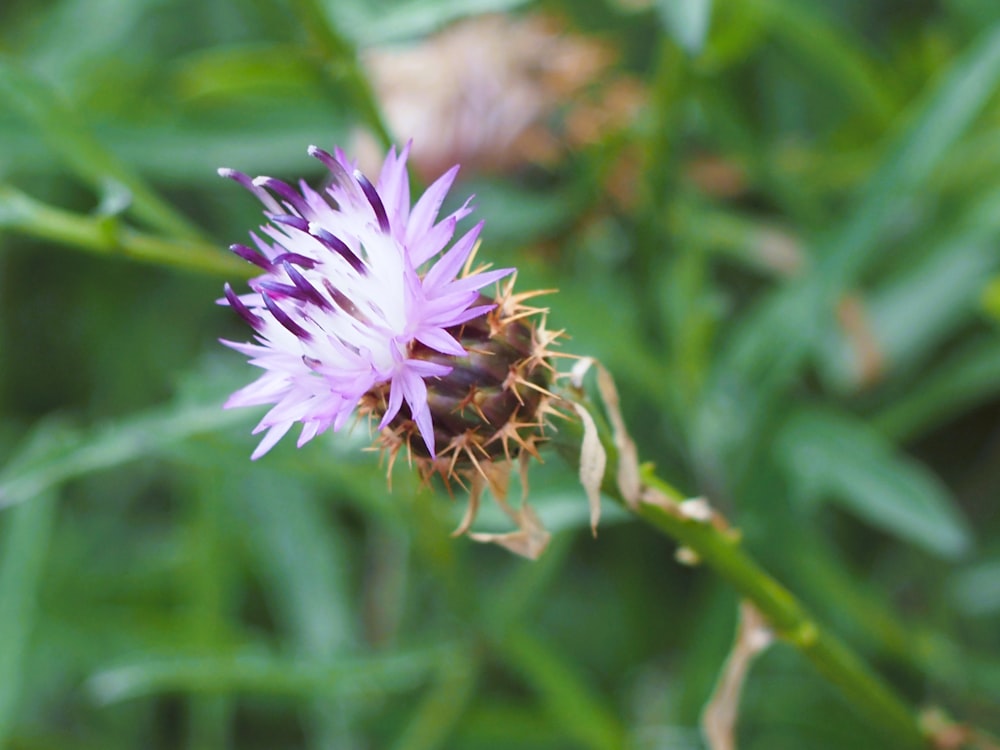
point(364, 309)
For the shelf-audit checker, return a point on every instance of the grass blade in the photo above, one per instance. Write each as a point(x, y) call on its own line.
point(22, 559)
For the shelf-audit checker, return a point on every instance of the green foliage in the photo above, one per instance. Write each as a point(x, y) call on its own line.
point(796, 290)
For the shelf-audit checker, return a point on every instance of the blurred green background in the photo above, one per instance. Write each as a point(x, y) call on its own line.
point(777, 223)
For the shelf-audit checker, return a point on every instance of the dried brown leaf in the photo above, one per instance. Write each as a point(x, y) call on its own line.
point(718, 720)
point(593, 462)
point(629, 482)
point(529, 541)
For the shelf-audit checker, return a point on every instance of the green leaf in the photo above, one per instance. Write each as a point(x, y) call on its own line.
point(762, 246)
point(262, 674)
point(246, 68)
point(965, 378)
point(687, 22)
point(55, 47)
point(442, 706)
point(840, 59)
point(539, 214)
point(23, 552)
point(783, 323)
point(55, 453)
point(917, 309)
point(976, 590)
point(563, 690)
point(768, 350)
point(991, 298)
point(302, 559)
point(834, 457)
point(940, 119)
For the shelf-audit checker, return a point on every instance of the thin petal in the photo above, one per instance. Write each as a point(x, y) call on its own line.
point(273, 436)
point(394, 187)
point(447, 268)
point(425, 213)
point(479, 280)
point(395, 402)
point(415, 392)
point(425, 247)
point(442, 341)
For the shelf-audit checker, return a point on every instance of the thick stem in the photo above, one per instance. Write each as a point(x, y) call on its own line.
point(718, 548)
point(721, 551)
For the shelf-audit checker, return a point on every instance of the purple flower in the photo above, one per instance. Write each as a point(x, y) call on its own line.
point(353, 280)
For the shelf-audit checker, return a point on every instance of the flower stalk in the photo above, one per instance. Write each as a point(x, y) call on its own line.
point(707, 539)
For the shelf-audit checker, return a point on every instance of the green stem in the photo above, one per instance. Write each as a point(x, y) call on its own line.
point(718, 548)
point(721, 551)
point(105, 235)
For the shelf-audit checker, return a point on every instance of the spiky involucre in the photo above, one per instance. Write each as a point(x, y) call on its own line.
point(494, 403)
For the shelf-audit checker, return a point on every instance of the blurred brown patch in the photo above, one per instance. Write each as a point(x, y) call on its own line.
point(854, 321)
point(716, 176)
point(495, 93)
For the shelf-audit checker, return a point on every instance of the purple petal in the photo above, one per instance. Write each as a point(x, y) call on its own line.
point(395, 402)
point(309, 292)
point(374, 199)
point(295, 259)
point(279, 290)
point(282, 317)
point(251, 255)
point(463, 317)
point(262, 195)
point(291, 220)
point(343, 310)
point(440, 340)
point(309, 430)
point(394, 186)
point(324, 156)
point(425, 212)
point(273, 436)
point(478, 280)
point(430, 244)
point(255, 321)
point(415, 392)
point(447, 268)
point(285, 191)
point(338, 246)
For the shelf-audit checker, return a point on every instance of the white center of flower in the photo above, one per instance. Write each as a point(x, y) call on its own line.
point(377, 327)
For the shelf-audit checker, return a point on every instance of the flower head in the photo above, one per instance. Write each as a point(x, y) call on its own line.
point(360, 298)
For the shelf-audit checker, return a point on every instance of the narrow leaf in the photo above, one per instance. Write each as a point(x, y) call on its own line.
point(834, 457)
point(261, 674)
point(22, 558)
